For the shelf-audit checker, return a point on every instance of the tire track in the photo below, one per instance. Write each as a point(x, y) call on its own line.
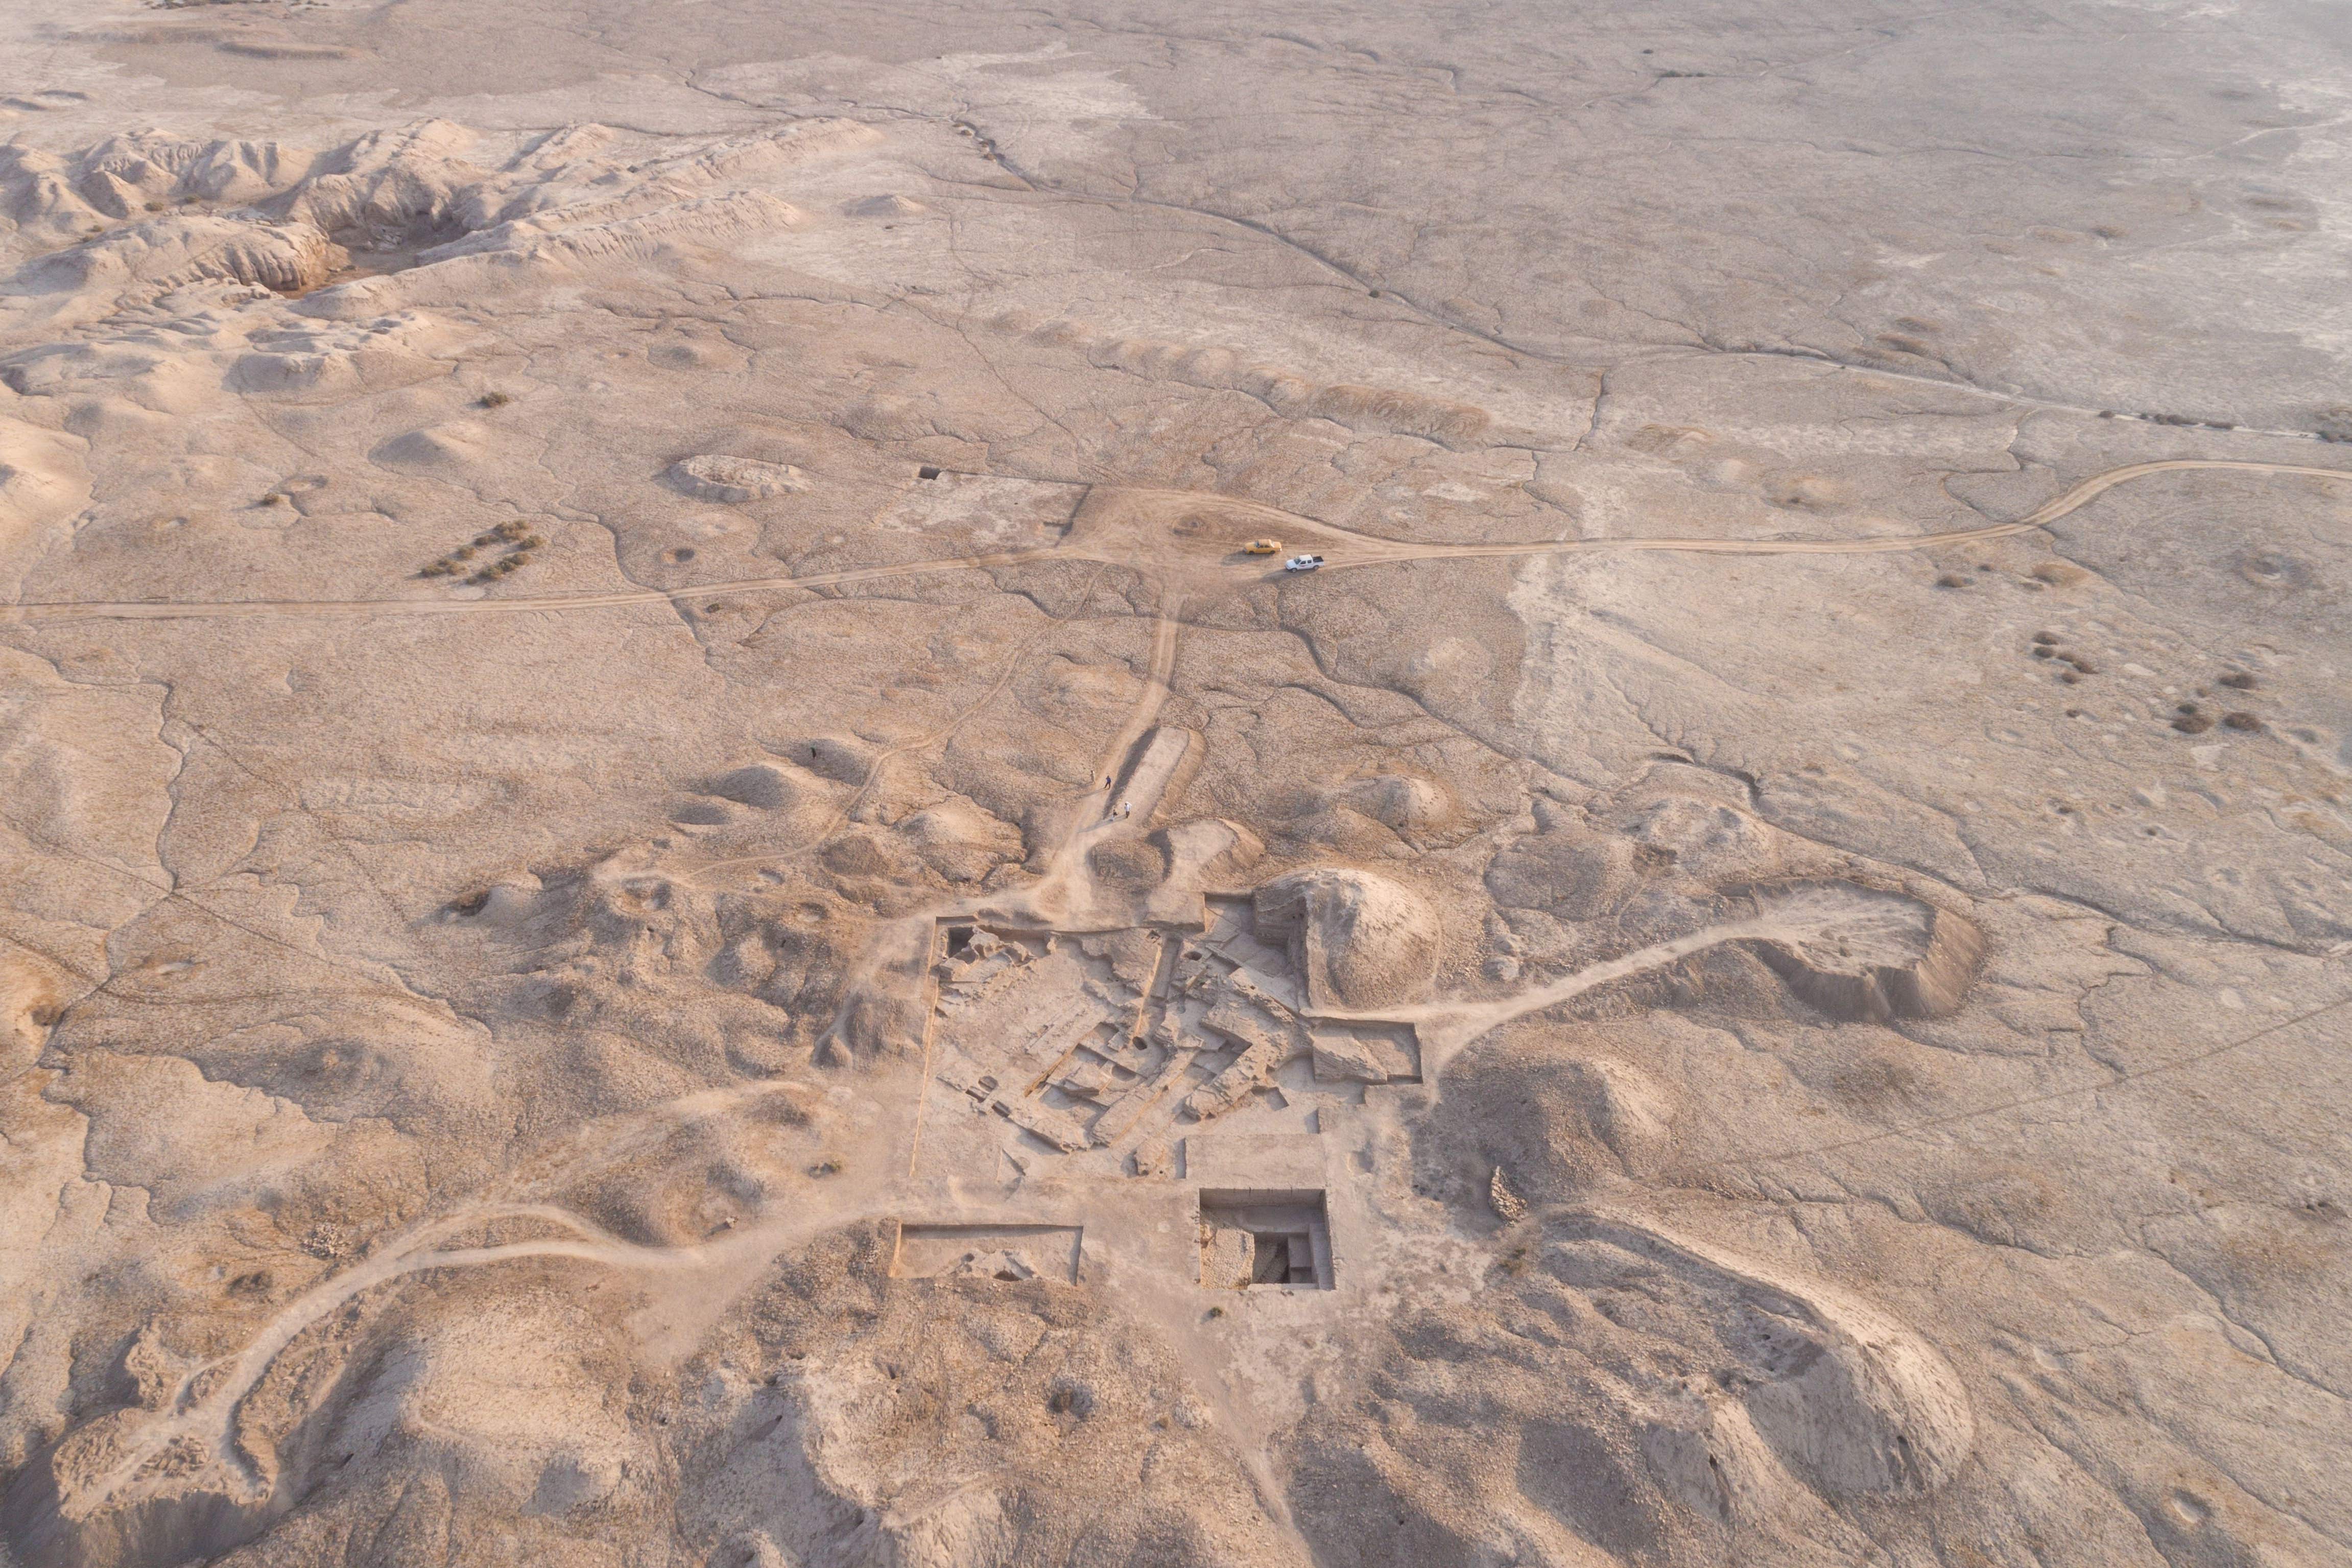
point(1375, 552)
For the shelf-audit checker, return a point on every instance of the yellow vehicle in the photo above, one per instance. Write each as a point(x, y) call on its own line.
point(1262, 547)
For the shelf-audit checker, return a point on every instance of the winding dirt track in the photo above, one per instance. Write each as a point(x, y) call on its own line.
point(204, 1404)
point(211, 609)
point(1375, 552)
point(2048, 512)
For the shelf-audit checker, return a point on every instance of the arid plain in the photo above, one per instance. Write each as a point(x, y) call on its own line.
point(677, 894)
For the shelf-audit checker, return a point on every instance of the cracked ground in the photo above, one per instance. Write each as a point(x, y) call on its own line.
point(677, 894)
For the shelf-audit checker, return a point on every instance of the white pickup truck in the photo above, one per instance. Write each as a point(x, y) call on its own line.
point(1302, 563)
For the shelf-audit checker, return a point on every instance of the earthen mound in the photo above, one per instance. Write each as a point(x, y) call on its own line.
point(1551, 1111)
point(961, 841)
point(888, 205)
point(1858, 953)
point(1850, 1399)
point(1575, 1370)
point(1575, 876)
point(715, 477)
point(148, 261)
point(762, 785)
point(1357, 942)
point(1416, 809)
point(459, 444)
point(1701, 838)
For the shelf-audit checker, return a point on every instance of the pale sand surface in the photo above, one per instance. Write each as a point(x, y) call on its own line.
point(675, 895)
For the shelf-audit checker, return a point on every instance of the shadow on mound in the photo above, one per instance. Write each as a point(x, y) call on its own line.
point(1546, 1106)
point(1892, 957)
point(1621, 1387)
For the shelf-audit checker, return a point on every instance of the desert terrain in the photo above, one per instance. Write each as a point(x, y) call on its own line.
point(685, 886)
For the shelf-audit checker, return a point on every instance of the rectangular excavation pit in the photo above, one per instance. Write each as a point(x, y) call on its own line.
point(1363, 1052)
point(1259, 1239)
point(1050, 1037)
point(1009, 1253)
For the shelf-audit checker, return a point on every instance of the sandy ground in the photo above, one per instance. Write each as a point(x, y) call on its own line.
point(685, 886)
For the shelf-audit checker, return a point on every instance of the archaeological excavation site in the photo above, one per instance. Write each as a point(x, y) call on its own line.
point(1130, 785)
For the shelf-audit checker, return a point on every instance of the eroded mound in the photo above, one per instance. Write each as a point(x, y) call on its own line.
point(689, 883)
point(1617, 1388)
point(1359, 942)
point(715, 477)
point(1859, 954)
